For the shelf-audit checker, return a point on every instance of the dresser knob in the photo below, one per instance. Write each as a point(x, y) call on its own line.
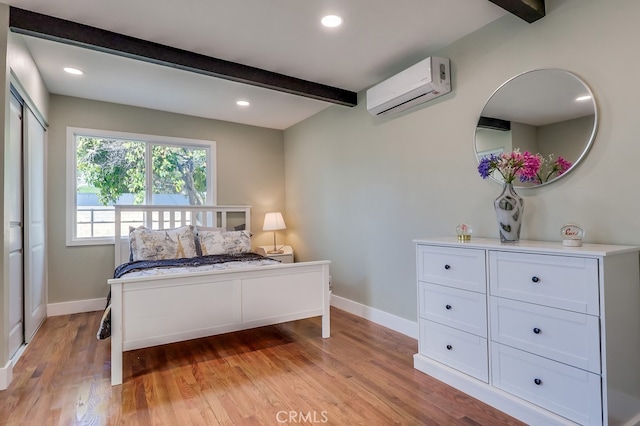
point(535, 279)
point(449, 347)
point(537, 330)
point(448, 306)
point(447, 267)
point(537, 381)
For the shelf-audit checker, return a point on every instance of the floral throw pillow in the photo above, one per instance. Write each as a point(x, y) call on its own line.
point(229, 242)
point(148, 244)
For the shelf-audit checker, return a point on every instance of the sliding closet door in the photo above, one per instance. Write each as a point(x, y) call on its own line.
point(35, 282)
point(14, 197)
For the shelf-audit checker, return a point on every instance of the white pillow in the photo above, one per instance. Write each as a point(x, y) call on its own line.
point(199, 230)
point(148, 244)
point(226, 242)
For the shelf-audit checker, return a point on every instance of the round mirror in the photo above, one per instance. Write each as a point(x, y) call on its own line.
point(549, 112)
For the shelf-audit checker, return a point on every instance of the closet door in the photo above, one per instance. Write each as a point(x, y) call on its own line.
point(35, 282)
point(14, 197)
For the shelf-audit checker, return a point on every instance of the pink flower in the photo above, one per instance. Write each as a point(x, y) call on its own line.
point(551, 167)
point(563, 165)
point(529, 170)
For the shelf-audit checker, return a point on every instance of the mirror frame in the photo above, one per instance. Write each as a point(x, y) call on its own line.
point(587, 146)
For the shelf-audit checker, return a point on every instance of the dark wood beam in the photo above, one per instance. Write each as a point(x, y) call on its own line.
point(60, 30)
point(529, 10)
point(494, 124)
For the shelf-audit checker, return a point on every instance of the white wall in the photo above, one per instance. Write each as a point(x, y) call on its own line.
point(360, 188)
point(491, 140)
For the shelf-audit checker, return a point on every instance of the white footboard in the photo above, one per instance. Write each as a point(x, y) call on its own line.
point(151, 311)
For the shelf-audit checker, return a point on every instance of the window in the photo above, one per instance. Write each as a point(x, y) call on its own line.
point(108, 168)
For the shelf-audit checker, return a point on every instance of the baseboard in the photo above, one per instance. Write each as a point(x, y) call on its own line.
point(6, 375)
point(385, 319)
point(634, 421)
point(76, 306)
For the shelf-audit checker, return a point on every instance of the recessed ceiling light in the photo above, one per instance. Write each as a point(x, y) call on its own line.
point(74, 71)
point(331, 21)
point(583, 98)
point(243, 103)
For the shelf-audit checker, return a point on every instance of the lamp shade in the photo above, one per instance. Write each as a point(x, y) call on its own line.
point(273, 221)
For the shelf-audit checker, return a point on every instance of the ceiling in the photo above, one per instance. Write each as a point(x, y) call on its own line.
point(377, 39)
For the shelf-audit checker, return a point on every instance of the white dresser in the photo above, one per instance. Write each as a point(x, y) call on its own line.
point(546, 333)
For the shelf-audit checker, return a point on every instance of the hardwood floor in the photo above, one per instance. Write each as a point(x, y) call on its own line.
point(285, 374)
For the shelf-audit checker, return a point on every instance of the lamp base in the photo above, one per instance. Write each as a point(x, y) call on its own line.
point(275, 251)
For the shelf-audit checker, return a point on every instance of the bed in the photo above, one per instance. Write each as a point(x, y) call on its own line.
point(150, 310)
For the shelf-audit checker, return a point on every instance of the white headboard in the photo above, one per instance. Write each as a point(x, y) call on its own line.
point(167, 217)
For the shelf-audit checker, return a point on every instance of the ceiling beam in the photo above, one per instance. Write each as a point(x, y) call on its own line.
point(529, 10)
point(494, 123)
point(38, 25)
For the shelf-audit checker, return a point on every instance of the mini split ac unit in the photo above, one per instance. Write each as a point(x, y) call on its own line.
point(420, 83)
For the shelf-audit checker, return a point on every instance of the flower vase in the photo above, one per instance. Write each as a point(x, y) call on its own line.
point(509, 208)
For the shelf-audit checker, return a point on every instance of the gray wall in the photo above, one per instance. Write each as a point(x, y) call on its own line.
point(250, 163)
point(564, 138)
point(31, 85)
point(360, 188)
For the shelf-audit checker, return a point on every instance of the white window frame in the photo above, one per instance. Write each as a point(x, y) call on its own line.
point(71, 198)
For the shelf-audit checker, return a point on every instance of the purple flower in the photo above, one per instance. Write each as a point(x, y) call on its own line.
point(486, 166)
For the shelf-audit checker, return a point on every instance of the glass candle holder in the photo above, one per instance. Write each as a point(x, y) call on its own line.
point(464, 231)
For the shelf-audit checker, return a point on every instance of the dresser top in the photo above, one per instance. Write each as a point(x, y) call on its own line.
point(554, 247)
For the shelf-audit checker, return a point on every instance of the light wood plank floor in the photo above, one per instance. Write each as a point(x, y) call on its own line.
point(285, 374)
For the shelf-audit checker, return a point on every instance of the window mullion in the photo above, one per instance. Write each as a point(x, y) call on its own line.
point(148, 171)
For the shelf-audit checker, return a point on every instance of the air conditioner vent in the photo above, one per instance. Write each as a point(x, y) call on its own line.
point(426, 80)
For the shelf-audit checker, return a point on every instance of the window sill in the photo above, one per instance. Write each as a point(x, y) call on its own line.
point(91, 242)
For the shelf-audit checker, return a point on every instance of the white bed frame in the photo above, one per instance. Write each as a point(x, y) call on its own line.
point(150, 311)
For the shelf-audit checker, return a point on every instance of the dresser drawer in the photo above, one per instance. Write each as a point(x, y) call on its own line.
point(564, 336)
point(568, 391)
point(461, 309)
point(457, 349)
point(564, 282)
point(454, 267)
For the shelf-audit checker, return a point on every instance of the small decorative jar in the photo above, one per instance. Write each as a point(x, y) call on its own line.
point(572, 235)
point(464, 232)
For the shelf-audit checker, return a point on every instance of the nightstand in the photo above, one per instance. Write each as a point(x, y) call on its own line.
point(285, 257)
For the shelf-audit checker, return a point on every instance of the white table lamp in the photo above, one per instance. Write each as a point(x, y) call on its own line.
point(274, 222)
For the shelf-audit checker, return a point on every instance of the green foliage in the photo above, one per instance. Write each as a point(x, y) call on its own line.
point(117, 167)
point(180, 170)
